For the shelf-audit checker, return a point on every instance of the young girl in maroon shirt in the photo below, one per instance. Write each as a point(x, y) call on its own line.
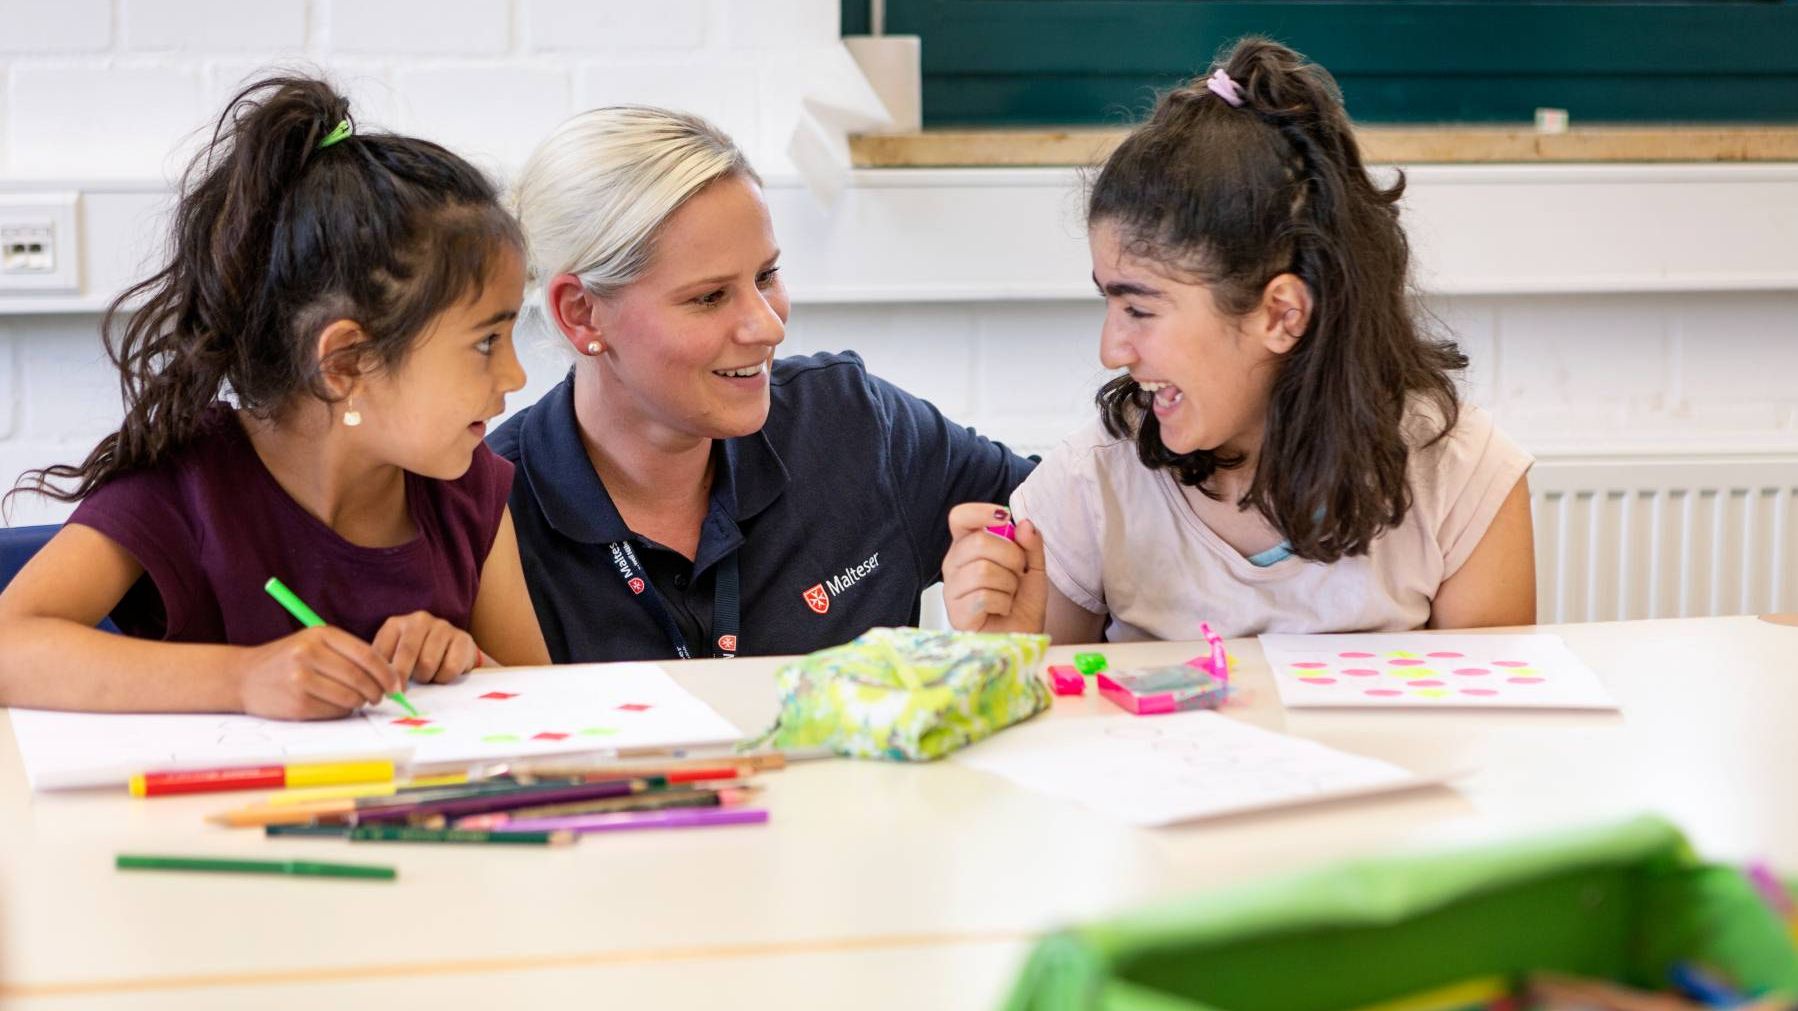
point(307, 384)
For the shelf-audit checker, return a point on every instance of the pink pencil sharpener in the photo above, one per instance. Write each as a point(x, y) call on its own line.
point(1171, 689)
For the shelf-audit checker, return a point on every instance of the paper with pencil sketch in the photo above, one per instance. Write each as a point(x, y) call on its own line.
point(1159, 770)
point(487, 716)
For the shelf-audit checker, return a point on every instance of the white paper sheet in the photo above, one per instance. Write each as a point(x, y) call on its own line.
point(523, 711)
point(1531, 671)
point(1158, 770)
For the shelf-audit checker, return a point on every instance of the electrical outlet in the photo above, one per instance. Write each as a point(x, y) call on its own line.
point(40, 243)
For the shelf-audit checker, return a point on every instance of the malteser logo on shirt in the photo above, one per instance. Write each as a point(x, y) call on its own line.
point(818, 597)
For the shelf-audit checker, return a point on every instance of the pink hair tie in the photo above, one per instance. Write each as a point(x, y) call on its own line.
point(1224, 88)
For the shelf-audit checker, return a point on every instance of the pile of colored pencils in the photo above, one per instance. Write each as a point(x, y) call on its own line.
point(544, 805)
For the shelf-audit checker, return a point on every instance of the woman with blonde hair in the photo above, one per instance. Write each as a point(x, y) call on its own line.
point(683, 492)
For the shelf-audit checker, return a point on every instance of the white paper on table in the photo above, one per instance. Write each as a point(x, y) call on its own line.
point(508, 713)
point(1174, 767)
point(1397, 669)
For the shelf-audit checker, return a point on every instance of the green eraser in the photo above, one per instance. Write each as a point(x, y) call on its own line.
point(1089, 663)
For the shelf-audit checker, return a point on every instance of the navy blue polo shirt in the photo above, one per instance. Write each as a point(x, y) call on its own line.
point(837, 511)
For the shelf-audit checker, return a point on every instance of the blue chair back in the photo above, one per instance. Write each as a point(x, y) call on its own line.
point(17, 545)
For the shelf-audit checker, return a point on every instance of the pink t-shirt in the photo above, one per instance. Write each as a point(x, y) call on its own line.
point(1122, 540)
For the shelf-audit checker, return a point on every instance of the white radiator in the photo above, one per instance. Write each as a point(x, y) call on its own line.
point(1620, 538)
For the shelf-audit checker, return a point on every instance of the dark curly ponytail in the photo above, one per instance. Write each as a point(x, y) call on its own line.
point(275, 237)
point(1236, 195)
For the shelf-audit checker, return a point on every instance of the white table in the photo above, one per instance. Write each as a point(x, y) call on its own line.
point(875, 885)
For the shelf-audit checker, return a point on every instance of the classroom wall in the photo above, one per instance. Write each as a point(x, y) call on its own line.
point(1647, 314)
point(105, 87)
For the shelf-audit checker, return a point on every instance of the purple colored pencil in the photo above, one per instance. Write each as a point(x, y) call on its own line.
point(526, 797)
point(695, 817)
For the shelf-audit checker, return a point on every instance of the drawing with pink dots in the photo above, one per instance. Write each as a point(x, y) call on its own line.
point(1431, 671)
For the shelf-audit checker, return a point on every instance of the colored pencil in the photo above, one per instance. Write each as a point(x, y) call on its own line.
point(767, 761)
point(259, 777)
point(693, 774)
point(319, 794)
point(654, 801)
point(303, 868)
point(401, 833)
point(323, 831)
point(506, 800)
point(257, 815)
point(624, 821)
point(309, 618)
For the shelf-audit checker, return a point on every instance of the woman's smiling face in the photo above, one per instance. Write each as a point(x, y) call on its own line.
point(691, 339)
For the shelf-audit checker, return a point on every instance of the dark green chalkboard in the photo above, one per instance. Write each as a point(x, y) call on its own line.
point(1021, 62)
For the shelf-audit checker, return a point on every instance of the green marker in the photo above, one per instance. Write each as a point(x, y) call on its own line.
point(303, 868)
point(309, 618)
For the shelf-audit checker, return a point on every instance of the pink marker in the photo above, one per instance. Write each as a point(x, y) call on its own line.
point(1218, 663)
point(1004, 527)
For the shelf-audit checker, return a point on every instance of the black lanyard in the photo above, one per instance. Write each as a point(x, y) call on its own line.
point(726, 605)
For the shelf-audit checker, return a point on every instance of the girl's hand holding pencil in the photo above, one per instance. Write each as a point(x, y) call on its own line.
point(426, 648)
point(319, 673)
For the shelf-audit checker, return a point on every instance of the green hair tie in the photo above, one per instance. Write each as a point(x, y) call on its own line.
point(341, 131)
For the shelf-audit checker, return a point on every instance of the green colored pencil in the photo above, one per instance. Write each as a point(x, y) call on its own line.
point(397, 833)
point(303, 868)
point(309, 618)
point(328, 831)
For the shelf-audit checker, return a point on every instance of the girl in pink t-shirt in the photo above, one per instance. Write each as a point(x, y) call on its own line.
point(1286, 450)
point(307, 384)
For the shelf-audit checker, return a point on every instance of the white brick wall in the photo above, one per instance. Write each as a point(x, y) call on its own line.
point(779, 24)
point(214, 25)
point(120, 88)
point(495, 113)
point(618, 26)
point(55, 26)
point(72, 119)
point(12, 400)
point(419, 27)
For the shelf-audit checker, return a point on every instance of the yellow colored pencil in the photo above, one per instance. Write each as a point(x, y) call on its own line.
point(320, 794)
